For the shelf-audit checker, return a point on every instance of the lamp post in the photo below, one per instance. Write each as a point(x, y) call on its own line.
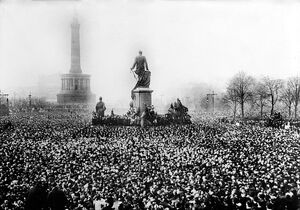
point(4, 110)
point(29, 96)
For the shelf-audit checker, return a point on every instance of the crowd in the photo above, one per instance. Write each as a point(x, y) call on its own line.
point(203, 165)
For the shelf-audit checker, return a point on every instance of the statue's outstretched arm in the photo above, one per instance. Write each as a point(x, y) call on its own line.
point(134, 64)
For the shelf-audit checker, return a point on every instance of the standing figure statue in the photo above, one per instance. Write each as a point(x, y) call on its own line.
point(100, 108)
point(143, 80)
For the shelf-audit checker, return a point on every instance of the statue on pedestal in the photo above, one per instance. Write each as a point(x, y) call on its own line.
point(142, 71)
point(100, 108)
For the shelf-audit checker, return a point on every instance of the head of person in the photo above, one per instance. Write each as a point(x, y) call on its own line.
point(131, 104)
point(110, 201)
point(100, 99)
point(140, 52)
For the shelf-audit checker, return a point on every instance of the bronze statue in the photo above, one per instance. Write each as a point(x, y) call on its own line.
point(143, 80)
point(100, 108)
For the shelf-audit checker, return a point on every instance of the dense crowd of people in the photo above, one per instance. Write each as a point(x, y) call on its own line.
point(203, 165)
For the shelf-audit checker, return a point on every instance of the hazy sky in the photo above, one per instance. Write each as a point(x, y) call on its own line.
point(184, 41)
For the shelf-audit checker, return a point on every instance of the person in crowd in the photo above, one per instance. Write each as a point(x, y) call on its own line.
point(57, 199)
point(110, 203)
point(37, 197)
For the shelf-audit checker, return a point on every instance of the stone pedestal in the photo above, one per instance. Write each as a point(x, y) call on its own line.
point(142, 98)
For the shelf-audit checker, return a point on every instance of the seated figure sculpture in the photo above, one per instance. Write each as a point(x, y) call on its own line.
point(133, 114)
point(178, 112)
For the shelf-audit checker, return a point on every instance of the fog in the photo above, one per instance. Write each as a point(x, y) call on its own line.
point(185, 42)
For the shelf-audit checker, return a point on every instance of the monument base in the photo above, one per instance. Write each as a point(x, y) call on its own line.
point(76, 98)
point(142, 98)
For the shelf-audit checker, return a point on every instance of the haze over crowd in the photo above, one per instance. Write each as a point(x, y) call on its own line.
point(186, 43)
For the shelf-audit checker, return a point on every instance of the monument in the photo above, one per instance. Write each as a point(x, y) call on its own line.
point(75, 86)
point(100, 108)
point(141, 93)
point(141, 111)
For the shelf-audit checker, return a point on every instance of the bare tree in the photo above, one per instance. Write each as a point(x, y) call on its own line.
point(260, 97)
point(287, 98)
point(230, 99)
point(241, 85)
point(273, 86)
point(294, 85)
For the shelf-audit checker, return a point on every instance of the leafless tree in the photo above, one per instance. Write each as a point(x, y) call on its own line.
point(241, 87)
point(286, 97)
point(260, 96)
point(294, 85)
point(273, 86)
point(230, 99)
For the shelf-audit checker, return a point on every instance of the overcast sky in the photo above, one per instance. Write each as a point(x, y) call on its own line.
point(184, 41)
